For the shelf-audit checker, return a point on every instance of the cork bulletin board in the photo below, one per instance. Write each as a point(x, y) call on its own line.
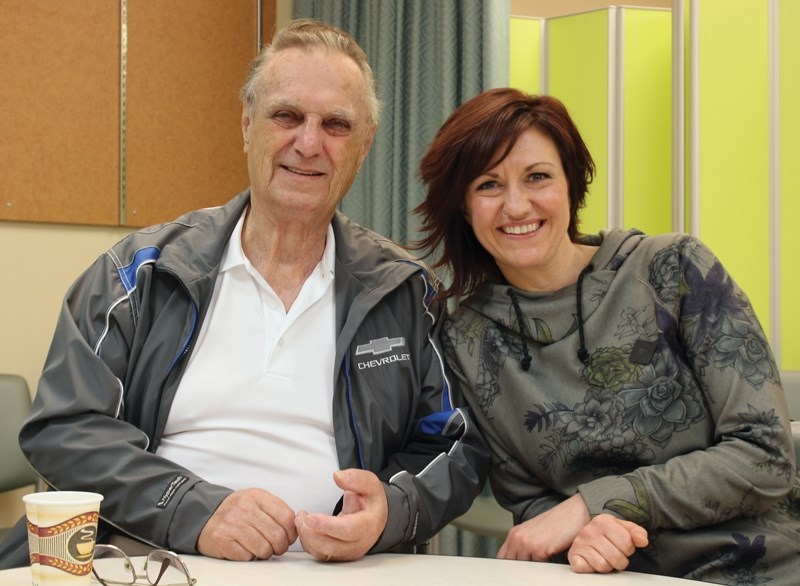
point(59, 111)
point(186, 62)
point(123, 112)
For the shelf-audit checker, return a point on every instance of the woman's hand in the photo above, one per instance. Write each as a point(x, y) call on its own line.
point(547, 534)
point(605, 544)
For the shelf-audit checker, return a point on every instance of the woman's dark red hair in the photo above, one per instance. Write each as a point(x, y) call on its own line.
point(476, 137)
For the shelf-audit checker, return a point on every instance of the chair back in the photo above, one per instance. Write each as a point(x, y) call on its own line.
point(15, 401)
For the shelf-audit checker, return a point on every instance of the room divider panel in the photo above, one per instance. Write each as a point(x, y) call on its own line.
point(612, 68)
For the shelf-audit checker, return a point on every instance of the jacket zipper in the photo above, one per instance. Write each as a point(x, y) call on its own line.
point(351, 411)
point(187, 348)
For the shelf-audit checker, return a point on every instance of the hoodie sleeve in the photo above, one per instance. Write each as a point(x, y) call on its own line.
point(723, 361)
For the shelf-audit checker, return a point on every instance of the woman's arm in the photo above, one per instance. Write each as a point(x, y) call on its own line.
point(709, 326)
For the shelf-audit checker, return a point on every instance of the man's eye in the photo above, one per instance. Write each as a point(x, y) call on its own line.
point(338, 125)
point(286, 117)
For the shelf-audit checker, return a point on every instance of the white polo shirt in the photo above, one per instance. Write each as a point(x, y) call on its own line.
point(254, 406)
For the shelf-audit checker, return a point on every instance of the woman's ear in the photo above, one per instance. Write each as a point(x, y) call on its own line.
point(465, 213)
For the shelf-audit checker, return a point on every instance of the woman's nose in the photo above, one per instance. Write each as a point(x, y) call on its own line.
point(516, 204)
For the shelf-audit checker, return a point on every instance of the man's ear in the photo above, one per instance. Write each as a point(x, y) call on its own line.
point(368, 142)
point(245, 126)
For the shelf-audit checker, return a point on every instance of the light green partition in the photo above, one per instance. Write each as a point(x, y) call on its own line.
point(577, 74)
point(789, 58)
point(612, 67)
point(733, 153)
point(525, 54)
point(646, 57)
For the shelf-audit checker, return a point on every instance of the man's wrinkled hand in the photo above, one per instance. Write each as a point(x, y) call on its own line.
point(249, 524)
point(353, 532)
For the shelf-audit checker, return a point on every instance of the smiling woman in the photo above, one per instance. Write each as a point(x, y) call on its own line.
point(504, 135)
point(608, 371)
point(519, 211)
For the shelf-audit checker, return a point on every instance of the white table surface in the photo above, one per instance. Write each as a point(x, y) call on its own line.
point(386, 570)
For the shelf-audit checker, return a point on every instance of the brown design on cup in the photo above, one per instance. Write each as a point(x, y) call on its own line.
point(67, 546)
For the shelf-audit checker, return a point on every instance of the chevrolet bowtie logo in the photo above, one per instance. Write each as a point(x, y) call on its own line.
point(380, 346)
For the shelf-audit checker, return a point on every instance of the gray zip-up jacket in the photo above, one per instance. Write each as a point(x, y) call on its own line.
point(128, 326)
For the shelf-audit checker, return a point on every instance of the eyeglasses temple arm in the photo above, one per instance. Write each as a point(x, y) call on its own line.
point(164, 566)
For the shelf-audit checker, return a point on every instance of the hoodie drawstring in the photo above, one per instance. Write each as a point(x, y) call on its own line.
point(583, 354)
point(523, 330)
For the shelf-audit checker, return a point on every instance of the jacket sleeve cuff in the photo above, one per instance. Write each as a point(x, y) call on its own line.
point(191, 515)
point(397, 521)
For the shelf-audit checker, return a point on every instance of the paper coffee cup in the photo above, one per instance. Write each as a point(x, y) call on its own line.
point(62, 529)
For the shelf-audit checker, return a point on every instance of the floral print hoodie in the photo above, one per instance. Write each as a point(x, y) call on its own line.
point(649, 387)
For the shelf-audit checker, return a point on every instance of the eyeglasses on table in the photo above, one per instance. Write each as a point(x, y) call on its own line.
point(112, 566)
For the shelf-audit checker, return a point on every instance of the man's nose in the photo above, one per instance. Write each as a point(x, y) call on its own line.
point(309, 138)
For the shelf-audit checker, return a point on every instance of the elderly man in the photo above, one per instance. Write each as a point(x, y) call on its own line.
point(226, 379)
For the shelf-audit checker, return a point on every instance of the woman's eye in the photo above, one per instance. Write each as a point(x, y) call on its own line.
point(538, 176)
point(486, 185)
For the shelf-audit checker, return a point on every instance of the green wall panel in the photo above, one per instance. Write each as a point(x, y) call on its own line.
point(789, 11)
point(525, 56)
point(647, 119)
point(583, 63)
point(577, 68)
point(734, 141)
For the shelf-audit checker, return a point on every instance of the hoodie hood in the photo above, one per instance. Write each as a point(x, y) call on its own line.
point(545, 318)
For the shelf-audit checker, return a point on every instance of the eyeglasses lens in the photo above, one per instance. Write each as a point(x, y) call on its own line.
point(113, 566)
